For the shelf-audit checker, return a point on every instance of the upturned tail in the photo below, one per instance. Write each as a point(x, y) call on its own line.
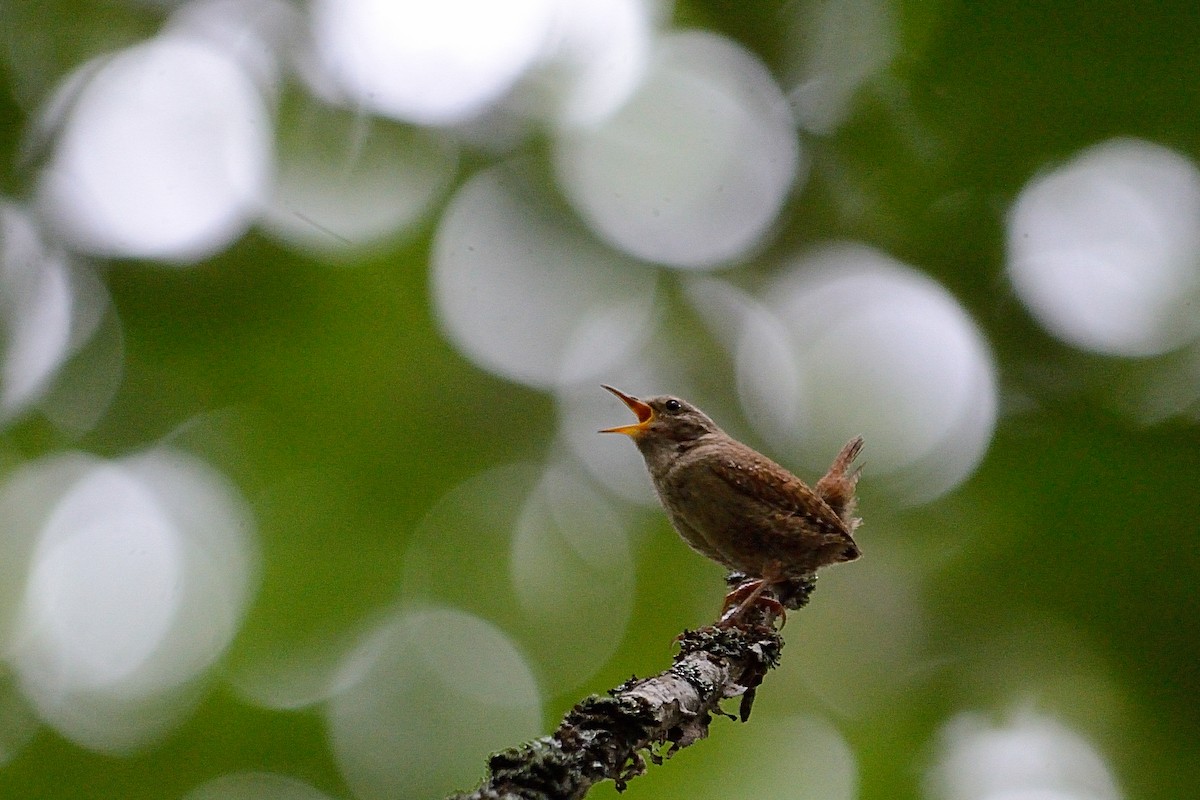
point(836, 488)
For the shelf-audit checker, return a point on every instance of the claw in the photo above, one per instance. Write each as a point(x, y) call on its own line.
point(734, 615)
point(748, 594)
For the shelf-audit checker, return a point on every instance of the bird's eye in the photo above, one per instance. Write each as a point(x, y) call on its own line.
point(673, 405)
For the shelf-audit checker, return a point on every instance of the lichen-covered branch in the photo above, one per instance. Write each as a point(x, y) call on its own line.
point(610, 738)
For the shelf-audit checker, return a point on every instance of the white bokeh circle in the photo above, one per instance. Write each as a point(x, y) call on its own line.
point(883, 352)
point(597, 55)
point(425, 695)
point(526, 293)
point(255, 786)
point(692, 171)
point(164, 153)
point(550, 563)
point(133, 578)
point(37, 304)
point(429, 63)
point(346, 184)
point(1031, 755)
point(1104, 250)
point(836, 49)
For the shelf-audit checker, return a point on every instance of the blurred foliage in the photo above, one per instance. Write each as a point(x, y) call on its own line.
point(331, 398)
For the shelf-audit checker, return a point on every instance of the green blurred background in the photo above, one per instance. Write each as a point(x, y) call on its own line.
point(1036, 620)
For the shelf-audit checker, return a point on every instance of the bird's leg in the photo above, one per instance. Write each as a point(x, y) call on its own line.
point(751, 588)
point(747, 593)
point(744, 596)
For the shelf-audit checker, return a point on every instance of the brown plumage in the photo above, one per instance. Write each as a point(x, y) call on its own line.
point(735, 505)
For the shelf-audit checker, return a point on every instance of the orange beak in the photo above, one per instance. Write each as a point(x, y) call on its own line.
point(644, 414)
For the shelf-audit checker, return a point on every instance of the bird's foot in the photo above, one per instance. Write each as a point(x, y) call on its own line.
point(745, 596)
point(747, 589)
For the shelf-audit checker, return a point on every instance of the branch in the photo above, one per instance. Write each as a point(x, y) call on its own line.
point(604, 738)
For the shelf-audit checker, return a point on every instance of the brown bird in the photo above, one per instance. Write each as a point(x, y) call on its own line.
point(738, 507)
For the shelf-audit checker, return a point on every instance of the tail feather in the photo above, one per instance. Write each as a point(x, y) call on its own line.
point(837, 486)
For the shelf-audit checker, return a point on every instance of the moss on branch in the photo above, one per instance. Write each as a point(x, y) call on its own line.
point(646, 719)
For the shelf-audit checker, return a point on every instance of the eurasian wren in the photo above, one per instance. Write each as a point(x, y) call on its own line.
point(738, 507)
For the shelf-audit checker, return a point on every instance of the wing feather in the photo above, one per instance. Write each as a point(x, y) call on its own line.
point(761, 480)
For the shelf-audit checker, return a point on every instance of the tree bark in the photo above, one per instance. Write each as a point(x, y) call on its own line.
point(611, 737)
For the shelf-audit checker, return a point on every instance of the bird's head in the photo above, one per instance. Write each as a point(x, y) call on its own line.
point(663, 419)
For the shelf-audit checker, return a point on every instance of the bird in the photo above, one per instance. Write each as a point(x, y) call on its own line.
point(739, 508)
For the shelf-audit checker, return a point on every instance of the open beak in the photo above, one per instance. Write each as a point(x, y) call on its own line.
point(645, 414)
